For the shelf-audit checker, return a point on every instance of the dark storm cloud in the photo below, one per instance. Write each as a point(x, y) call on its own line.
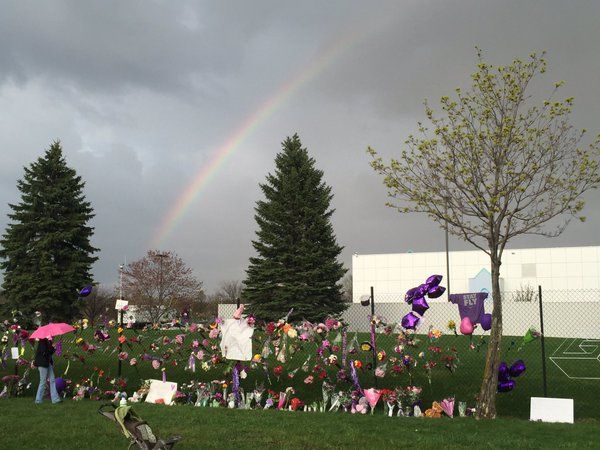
point(142, 94)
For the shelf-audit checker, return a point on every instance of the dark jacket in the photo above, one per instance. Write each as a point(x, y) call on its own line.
point(43, 354)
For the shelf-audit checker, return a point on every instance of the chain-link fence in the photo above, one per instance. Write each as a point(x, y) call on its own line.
point(565, 362)
point(441, 360)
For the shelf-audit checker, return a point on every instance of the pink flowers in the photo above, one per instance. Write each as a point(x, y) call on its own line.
point(214, 333)
point(331, 323)
point(133, 361)
point(123, 356)
point(304, 336)
point(156, 364)
point(309, 379)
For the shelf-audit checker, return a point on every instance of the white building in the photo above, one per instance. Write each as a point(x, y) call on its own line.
point(559, 268)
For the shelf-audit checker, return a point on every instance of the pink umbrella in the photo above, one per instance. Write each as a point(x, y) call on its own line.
point(50, 330)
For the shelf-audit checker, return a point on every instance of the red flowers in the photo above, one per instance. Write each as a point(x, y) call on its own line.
point(278, 370)
point(296, 403)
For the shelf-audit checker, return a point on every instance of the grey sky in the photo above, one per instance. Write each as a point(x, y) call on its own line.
point(142, 94)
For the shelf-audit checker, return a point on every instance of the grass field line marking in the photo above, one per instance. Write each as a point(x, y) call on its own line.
point(586, 347)
point(584, 354)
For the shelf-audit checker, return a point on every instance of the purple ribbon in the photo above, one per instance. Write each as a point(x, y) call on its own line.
point(58, 348)
point(344, 346)
point(236, 384)
point(355, 377)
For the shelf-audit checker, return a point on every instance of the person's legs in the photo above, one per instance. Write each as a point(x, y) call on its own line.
point(42, 386)
point(53, 392)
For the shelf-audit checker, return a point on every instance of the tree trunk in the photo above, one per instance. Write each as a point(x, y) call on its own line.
point(486, 405)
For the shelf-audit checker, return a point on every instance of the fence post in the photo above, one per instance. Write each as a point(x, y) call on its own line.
point(543, 343)
point(374, 336)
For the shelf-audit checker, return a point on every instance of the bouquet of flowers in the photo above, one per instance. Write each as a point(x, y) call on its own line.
point(389, 398)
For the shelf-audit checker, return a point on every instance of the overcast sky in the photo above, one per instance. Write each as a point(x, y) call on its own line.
point(142, 95)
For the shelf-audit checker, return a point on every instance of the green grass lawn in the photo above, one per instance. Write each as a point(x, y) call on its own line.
point(463, 383)
point(76, 425)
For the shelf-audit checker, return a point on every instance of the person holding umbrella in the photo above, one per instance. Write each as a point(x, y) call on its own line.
point(43, 361)
point(43, 358)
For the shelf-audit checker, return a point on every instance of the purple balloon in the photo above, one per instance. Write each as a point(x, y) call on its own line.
point(433, 281)
point(486, 321)
point(410, 321)
point(422, 290)
point(61, 384)
point(517, 368)
point(86, 291)
point(420, 305)
point(436, 292)
point(503, 372)
point(410, 295)
point(505, 386)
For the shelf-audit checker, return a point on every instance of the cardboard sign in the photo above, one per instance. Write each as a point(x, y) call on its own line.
point(551, 409)
point(161, 390)
point(120, 304)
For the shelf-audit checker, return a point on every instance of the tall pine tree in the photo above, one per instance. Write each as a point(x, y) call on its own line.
point(297, 264)
point(45, 250)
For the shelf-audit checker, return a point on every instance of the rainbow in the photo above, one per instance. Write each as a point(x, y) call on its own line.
point(208, 171)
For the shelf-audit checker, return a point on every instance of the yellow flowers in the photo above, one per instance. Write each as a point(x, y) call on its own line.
point(292, 333)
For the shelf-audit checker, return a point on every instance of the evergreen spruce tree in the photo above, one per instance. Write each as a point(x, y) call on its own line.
point(45, 251)
point(296, 266)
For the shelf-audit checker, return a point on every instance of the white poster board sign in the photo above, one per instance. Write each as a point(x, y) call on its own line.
point(236, 340)
point(120, 304)
point(552, 409)
point(14, 352)
point(164, 390)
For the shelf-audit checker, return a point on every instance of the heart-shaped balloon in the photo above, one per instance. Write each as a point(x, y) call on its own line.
point(517, 368)
point(503, 372)
point(466, 326)
point(433, 281)
point(505, 386)
point(486, 321)
point(410, 295)
point(436, 291)
point(422, 290)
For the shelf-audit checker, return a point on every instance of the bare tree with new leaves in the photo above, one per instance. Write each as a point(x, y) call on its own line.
point(159, 283)
point(100, 303)
point(229, 291)
point(495, 165)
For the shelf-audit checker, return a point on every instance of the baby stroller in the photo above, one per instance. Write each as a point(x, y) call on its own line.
point(135, 429)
